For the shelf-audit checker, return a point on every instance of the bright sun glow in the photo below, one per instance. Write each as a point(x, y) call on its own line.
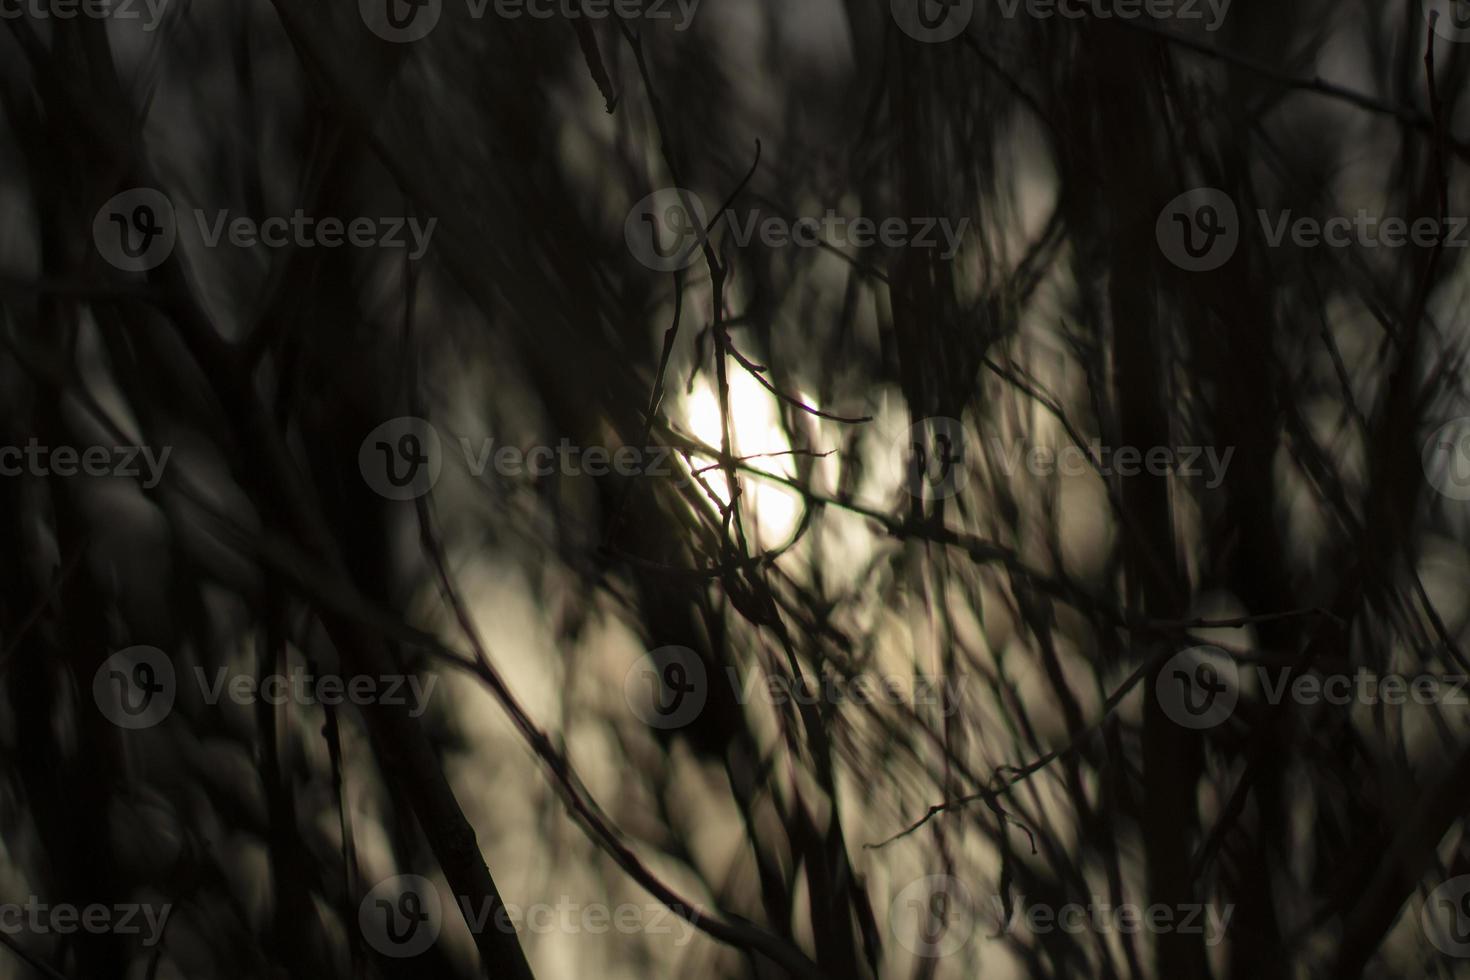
point(755, 429)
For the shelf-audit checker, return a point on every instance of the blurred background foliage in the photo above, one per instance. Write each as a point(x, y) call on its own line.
point(1048, 601)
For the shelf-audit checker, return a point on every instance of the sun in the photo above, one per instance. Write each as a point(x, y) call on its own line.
point(755, 429)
